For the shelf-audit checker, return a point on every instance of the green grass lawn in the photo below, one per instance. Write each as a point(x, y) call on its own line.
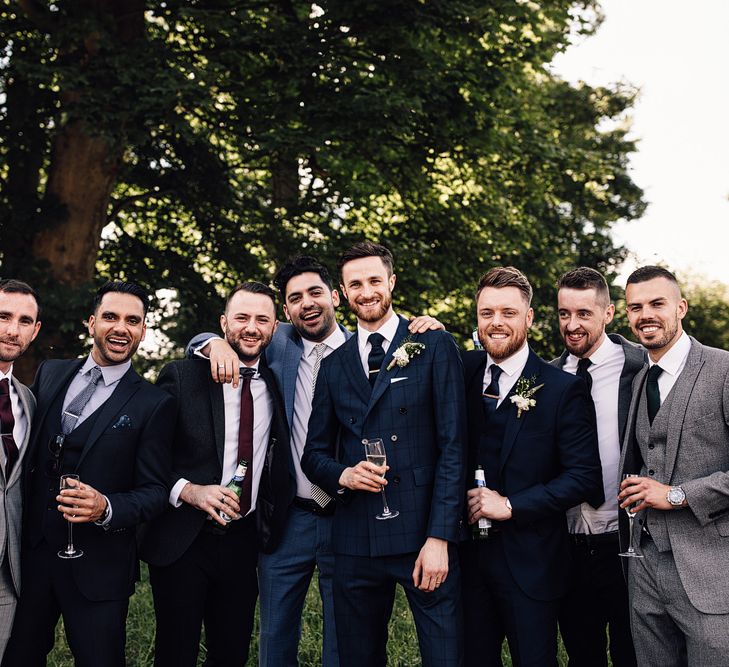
point(402, 647)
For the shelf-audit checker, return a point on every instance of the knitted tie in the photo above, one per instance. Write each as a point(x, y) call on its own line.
point(318, 495)
point(73, 411)
point(652, 394)
point(376, 356)
point(245, 437)
point(7, 424)
point(490, 396)
point(582, 366)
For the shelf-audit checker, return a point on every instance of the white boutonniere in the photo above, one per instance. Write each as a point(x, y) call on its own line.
point(522, 398)
point(403, 355)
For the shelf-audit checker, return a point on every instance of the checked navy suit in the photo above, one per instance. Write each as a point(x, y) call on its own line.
point(544, 462)
point(418, 411)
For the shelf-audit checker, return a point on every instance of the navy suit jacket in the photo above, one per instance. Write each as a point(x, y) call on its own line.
point(127, 458)
point(419, 412)
point(549, 462)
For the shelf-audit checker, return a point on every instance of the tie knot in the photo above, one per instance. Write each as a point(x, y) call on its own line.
point(654, 373)
point(247, 373)
point(319, 350)
point(583, 364)
point(94, 375)
point(496, 372)
point(4, 387)
point(375, 340)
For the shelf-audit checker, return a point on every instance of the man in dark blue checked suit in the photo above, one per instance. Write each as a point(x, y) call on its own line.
point(417, 408)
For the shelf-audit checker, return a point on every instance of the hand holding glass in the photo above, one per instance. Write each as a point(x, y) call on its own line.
point(631, 552)
point(375, 453)
point(70, 551)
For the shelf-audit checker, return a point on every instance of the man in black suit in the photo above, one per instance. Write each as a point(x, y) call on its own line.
point(532, 428)
point(598, 597)
point(202, 570)
point(98, 419)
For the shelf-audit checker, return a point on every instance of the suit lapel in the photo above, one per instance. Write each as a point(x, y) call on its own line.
point(217, 415)
point(23, 396)
point(628, 463)
point(634, 361)
point(514, 423)
point(353, 364)
point(384, 376)
point(679, 403)
point(292, 357)
point(127, 387)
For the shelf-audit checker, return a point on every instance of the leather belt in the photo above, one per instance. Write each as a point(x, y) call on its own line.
point(313, 507)
point(594, 539)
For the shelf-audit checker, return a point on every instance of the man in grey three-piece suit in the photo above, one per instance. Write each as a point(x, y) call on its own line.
point(19, 325)
point(678, 441)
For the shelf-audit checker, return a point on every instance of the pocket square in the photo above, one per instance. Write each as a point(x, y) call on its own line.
point(123, 422)
point(394, 380)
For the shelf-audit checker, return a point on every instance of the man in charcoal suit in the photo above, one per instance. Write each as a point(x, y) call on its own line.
point(98, 419)
point(19, 325)
point(202, 569)
point(598, 596)
point(677, 441)
point(532, 428)
point(416, 407)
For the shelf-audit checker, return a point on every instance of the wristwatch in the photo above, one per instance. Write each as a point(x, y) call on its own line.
point(676, 496)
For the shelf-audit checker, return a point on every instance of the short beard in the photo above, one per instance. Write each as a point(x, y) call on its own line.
point(321, 332)
point(372, 316)
point(515, 344)
point(669, 333)
point(243, 355)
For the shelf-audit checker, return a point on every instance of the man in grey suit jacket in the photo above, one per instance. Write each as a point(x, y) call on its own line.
point(678, 442)
point(19, 325)
point(597, 599)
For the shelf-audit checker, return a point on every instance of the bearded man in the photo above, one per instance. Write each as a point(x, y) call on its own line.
point(532, 428)
point(203, 569)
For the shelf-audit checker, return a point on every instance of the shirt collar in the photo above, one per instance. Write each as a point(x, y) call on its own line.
point(513, 364)
point(673, 361)
point(606, 350)
point(388, 331)
point(8, 375)
point(111, 374)
point(332, 341)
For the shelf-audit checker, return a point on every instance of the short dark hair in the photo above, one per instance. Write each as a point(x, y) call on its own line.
point(645, 273)
point(295, 267)
point(585, 278)
point(253, 287)
point(506, 276)
point(366, 249)
point(13, 286)
point(122, 287)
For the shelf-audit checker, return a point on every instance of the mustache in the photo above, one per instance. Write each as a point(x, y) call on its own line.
point(642, 323)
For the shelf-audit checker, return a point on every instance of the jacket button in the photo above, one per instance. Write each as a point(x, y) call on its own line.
point(352, 420)
point(651, 472)
point(651, 446)
point(393, 438)
point(365, 441)
point(396, 479)
point(403, 411)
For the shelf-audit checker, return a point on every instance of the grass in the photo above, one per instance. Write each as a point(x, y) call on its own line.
point(402, 647)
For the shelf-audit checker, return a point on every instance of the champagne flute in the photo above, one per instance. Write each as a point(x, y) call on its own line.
point(375, 453)
point(70, 551)
point(631, 552)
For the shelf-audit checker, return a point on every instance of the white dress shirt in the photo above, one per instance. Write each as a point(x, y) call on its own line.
point(21, 420)
point(512, 368)
point(262, 415)
point(303, 397)
point(607, 366)
point(672, 363)
point(388, 331)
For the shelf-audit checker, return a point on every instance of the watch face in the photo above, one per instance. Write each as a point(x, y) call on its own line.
point(676, 496)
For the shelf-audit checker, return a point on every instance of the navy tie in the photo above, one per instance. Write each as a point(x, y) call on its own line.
point(376, 356)
point(491, 393)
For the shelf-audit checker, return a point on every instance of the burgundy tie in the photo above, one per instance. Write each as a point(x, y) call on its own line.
point(7, 423)
point(245, 437)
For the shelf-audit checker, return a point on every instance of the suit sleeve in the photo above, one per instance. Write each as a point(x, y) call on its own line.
point(580, 476)
point(708, 497)
point(170, 381)
point(449, 405)
point(319, 459)
point(197, 342)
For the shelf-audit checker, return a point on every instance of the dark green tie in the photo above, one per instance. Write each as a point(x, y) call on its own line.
point(652, 394)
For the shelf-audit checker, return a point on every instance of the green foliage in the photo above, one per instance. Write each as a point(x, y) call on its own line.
point(251, 131)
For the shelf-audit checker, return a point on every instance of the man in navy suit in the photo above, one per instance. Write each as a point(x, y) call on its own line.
point(532, 428)
point(285, 574)
point(417, 408)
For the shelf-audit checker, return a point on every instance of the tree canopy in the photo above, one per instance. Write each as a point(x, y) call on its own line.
point(190, 144)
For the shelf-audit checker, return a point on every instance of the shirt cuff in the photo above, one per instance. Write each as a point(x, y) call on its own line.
point(176, 491)
point(197, 349)
point(106, 519)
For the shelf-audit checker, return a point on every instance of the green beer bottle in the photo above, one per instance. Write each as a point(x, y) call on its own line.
point(236, 484)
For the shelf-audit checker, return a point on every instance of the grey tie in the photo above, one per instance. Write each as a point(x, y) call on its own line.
point(319, 496)
point(70, 415)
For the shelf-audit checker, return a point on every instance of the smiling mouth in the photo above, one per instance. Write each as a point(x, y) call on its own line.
point(649, 328)
point(311, 316)
point(116, 343)
point(498, 335)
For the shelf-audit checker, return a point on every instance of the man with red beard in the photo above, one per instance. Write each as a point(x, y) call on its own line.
point(96, 418)
point(408, 393)
point(676, 449)
point(202, 568)
point(598, 597)
point(19, 325)
point(532, 428)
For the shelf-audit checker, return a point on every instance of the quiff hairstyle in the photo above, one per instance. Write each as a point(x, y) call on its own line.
point(645, 273)
point(366, 249)
point(506, 276)
point(252, 287)
point(585, 278)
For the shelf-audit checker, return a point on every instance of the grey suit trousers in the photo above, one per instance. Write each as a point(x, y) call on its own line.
point(668, 631)
point(8, 603)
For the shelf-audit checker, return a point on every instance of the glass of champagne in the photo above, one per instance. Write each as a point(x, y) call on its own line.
point(70, 551)
point(375, 453)
point(631, 552)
